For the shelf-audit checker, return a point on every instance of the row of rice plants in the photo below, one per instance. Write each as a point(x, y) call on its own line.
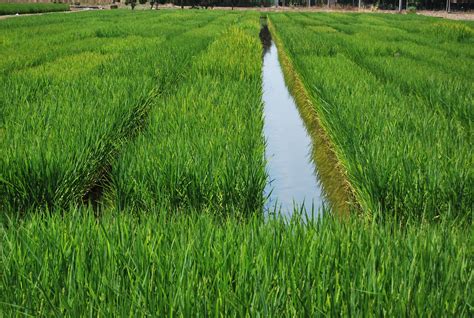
point(203, 146)
point(64, 120)
point(56, 36)
point(193, 264)
point(402, 129)
point(384, 37)
point(399, 58)
point(22, 8)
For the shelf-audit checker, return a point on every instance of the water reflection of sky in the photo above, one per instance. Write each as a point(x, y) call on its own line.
point(288, 146)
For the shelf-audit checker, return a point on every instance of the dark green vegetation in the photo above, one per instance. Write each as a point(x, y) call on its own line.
point(395, 95)
point(22, 8)
point(132, 170)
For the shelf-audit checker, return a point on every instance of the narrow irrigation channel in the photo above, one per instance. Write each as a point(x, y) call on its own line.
point(293, 183)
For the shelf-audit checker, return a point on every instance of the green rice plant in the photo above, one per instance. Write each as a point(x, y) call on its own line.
point(203, 146)
point(22, 8)
point(401, 124)
point(450, 31)
point(160, 264)
point(66, 118)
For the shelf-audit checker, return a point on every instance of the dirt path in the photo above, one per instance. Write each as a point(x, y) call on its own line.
point(451, 16)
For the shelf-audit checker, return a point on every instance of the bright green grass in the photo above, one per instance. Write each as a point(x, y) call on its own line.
point(22, 8)
point(158, 264)
point(166, 107)
point(203, 145)
point(68, 112)
point(395, 94)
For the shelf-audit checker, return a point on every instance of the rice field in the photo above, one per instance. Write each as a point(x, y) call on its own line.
point(395, 95)
point(80, 121)
point(132, 167)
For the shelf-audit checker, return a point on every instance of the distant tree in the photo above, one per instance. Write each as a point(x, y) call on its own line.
point(132, 3)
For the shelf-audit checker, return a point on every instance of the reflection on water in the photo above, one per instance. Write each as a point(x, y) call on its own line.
point(293, 182)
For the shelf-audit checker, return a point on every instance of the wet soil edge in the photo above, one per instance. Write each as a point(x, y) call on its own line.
point(98, 192)
point(333, 175)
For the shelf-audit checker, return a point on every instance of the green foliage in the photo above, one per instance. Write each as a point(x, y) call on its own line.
point(396, 101)
point(450, 31)
point(203, 145)
point(23, 8)
point(161, 265)
point(72, 99)
point(163, 113)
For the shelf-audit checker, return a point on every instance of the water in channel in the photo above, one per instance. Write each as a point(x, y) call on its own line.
point(293, 182)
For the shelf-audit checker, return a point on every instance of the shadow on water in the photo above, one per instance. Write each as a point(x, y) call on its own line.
point(265, 36)
point(294, 185)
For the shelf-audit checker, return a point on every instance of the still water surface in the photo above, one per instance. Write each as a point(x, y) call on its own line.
point(291, 171)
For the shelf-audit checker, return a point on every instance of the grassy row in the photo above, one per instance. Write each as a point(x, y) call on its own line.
point(158, 264)
point(22, 8)
point(110, 31)
point(64, 119)
point(401, 125)
point(203, 146)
